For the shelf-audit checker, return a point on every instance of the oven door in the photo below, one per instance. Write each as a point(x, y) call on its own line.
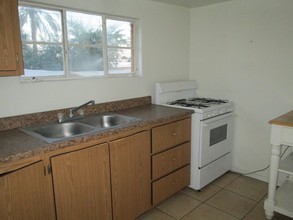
point(216, 138)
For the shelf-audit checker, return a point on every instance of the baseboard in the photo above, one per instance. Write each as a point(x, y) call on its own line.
point(258, 176)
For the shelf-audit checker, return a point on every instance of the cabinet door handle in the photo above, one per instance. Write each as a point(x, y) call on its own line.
point(17, 59)
point(174, 134)
point(49, 169)
point(173, 159)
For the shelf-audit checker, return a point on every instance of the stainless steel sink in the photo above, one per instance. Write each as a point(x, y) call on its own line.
point(58, 131)
point(54, 132)
point(104, 121)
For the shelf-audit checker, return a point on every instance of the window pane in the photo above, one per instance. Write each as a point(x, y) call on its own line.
point(119, 61)
point(84, 28)
point(118, 33)
point(85, 61)
point(40, 24)
point(43, 60)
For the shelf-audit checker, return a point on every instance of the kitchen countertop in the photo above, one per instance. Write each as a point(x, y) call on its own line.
point(15, 144)
point(284, 120)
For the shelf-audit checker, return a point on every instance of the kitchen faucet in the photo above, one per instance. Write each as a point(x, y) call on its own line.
point(71, 111)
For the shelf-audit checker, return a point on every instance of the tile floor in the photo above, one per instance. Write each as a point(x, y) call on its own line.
point(229, 197)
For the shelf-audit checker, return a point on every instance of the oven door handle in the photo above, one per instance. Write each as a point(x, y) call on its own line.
point(206, 122)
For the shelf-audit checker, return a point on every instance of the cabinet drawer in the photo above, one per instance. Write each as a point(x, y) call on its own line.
point(170, 160)
point(169, 185)
point(170, 135)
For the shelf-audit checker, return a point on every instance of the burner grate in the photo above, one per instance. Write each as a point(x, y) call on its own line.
point(208, 100)
point(197, 102)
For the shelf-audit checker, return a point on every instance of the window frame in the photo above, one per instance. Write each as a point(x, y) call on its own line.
point(65, 45)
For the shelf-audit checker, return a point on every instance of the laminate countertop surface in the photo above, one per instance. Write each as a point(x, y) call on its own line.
point(284, 120)
point(15, 144)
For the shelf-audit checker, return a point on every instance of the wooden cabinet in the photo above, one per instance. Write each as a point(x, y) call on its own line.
point(170, 159)
point(131, 175)
point(82, 184)
point(120, 179)
point(11, 63)
point(26, 194)
point(170, 135)
point(169, 185)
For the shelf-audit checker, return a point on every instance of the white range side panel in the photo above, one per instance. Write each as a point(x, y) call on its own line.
point(170, 91)
point(194, 160)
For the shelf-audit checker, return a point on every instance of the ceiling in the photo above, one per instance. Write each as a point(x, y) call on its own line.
point(191, 3)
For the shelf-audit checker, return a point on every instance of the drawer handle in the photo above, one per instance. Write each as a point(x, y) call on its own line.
point(173, 159)
point(174, 134)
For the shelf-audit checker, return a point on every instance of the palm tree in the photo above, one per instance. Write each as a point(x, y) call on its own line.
point(40, 21)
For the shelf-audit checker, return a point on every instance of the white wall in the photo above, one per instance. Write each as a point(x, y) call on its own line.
point(243, 51)
point(165, 56)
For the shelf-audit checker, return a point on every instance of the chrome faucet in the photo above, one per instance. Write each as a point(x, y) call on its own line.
point(71, 111)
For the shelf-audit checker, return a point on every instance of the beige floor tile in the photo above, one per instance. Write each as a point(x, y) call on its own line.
point(264, 198)
point(251, 188)
point(205, 193)
point(258, 213)
point(226, 179)
point(262, 201)
point(231, 203)
point(154, 214)
point(205, 212)
point(178, 205)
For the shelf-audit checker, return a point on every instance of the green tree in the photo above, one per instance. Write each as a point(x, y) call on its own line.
point(79, 34)
point(85, 51)
point(115, 37)
point(39, 20)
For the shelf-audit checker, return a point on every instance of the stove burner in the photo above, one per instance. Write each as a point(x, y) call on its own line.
point(197, 102)
point(208, 100)
point(199, 105)
point(177, 102)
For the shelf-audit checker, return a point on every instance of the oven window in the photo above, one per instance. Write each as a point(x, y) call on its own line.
point(218, 134)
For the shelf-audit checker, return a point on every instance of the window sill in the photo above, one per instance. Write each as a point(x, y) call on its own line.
point(35, 79)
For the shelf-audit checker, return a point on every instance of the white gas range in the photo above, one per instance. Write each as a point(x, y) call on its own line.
point(212, 122)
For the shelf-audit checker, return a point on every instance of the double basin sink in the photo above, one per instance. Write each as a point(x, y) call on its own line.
point(54, 132)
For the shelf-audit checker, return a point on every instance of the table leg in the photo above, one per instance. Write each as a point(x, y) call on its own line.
point(274, 166)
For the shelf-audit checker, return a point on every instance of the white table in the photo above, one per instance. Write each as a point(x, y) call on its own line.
point(280, 200)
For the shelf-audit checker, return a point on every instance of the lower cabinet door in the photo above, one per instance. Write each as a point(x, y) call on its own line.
point(170, 184)
point(26, 194)
point(82, 184)
point(131, 175)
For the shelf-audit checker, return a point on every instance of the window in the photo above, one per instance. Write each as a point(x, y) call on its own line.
point(218, 134)
point(61, 43)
